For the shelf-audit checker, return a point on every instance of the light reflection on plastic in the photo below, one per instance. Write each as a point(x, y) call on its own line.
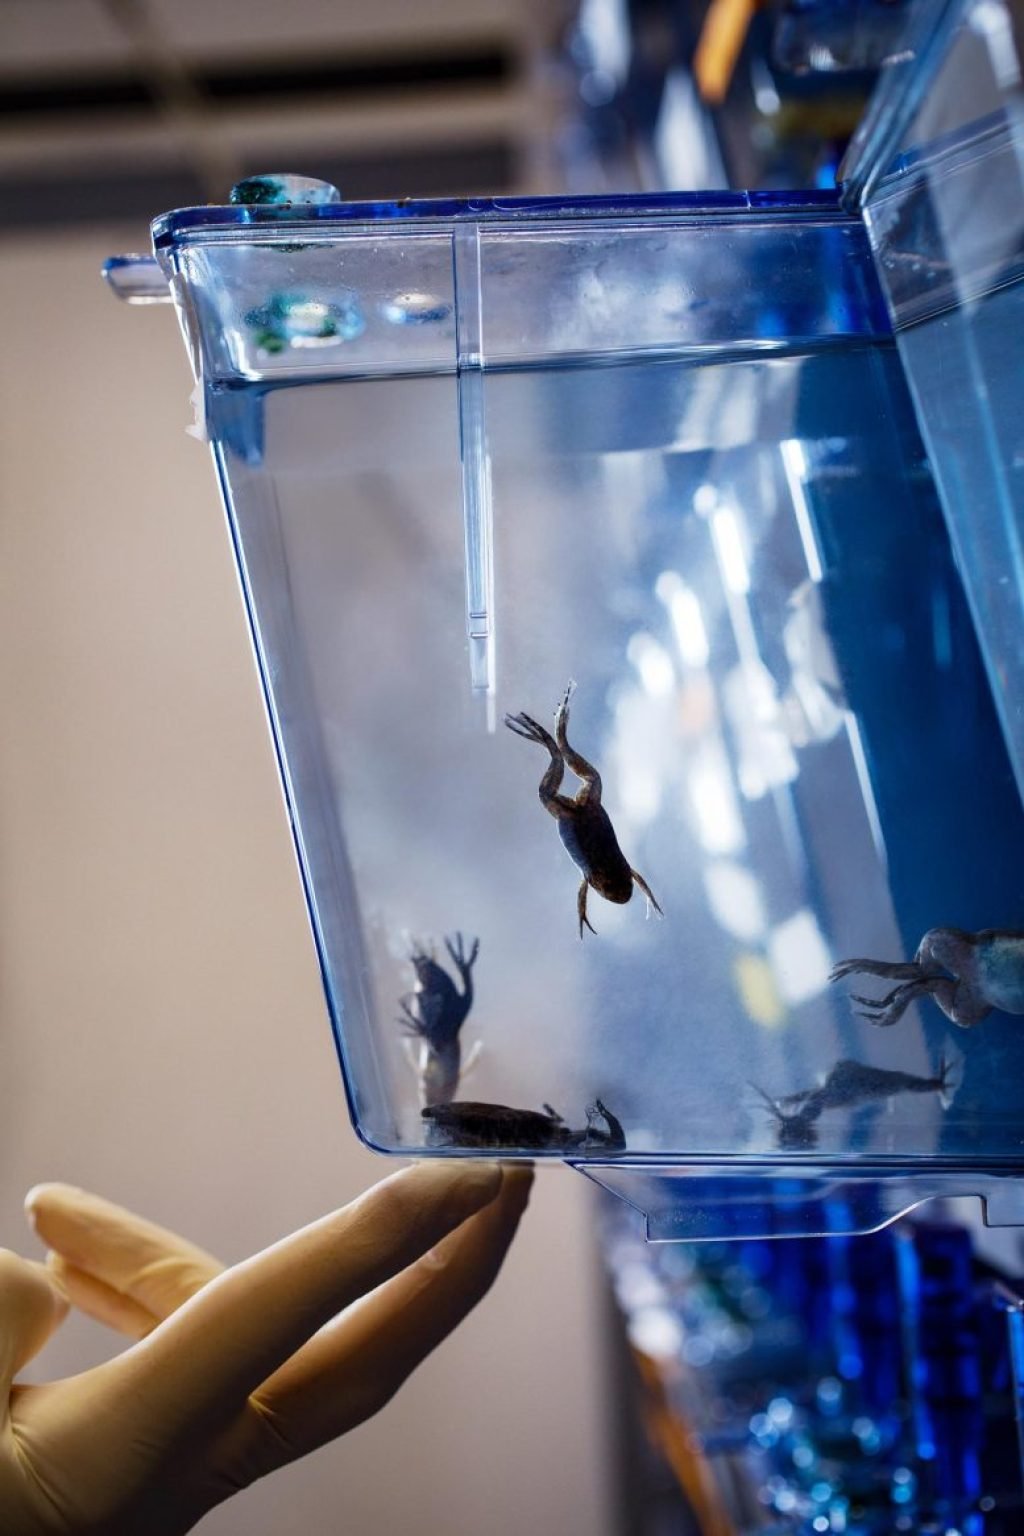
point(794, 463)
point(992, 21)
point(653, 664)
point(813, 702)
point(636, 1287)
point(604, 27)
point(597, 88)
point(734, 897)
point(705, 499)
point(758, 992)
point(725, 531)
point(766, 97)
point(655, 1332)
point(800, 957)
point(684, 612)
point(642, 752)
point(719, 825)
point(867, 790)
point(766, 757)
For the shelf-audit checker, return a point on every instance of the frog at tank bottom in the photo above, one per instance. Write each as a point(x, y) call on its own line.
point(434, 1013)
point(847, 1085)
point(583, 823)
point(969, 975)
point(469, 1124)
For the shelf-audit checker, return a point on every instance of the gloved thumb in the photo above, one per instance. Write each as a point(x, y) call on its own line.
point(31, 1307)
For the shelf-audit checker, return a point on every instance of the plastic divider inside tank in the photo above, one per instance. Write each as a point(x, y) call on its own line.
point(937, 173)
point(605, 529)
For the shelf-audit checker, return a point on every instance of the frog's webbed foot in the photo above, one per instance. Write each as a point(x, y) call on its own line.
point(649, 896)
point(775, 1107)
point(946, 1082)
point(581, 909)
point(531, 730)
point(562, 712)
point(456, 948)
point(613, 1139)
point(895, 970)
point(524, 725)
point(889, 1009)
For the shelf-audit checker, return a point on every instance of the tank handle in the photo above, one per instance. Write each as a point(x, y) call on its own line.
point(137, 279)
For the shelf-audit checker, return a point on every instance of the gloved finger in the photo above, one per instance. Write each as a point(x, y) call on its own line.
point(31, 1307)
point(205, 1360)
point(99, 1300)
point(152, 1266)
point(357, 1362)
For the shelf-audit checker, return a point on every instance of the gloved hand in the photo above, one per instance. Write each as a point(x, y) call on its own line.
point(236, 1371)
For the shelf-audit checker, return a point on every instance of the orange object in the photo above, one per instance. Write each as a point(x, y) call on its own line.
point(682, 1451)
point(722, 36)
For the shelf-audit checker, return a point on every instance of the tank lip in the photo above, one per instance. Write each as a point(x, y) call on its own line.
point(170, 229)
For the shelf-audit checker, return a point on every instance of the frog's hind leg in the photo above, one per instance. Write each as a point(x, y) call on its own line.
point(895, 970)
point(464, 965)
point(888, 1010)
point(531, 730)
point(581, 908)
point(959, 1002)
point(456, 948)
point(523, 725)
point(649, 896)
point(590, 793)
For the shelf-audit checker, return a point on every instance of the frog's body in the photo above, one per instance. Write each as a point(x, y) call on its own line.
point(435, 1012)
point(985, 972)
point(590, 842)
point(467, 1123)
point(847, 1084)
point(855, 1082)
point(584, 825)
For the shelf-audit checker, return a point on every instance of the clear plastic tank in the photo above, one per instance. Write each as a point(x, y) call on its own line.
point(655, 463)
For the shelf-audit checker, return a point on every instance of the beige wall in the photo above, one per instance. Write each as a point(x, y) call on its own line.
point(162, 1034)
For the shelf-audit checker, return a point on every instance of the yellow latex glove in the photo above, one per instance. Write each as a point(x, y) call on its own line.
point(236, 1371)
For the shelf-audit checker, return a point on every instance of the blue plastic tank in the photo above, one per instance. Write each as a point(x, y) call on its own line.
point(637, 512)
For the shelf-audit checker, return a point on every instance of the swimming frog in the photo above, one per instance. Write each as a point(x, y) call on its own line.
point(583, 823)
point(434, 1012)
point(469, 1124)
point(967, 974)
point(847, 1084)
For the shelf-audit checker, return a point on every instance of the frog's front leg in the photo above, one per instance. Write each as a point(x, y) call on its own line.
point(649, 896)
point(581, 908)
point(410, 1022)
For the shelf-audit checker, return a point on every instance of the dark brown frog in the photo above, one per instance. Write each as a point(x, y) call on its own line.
point(583, 823)
point(467, 1123)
